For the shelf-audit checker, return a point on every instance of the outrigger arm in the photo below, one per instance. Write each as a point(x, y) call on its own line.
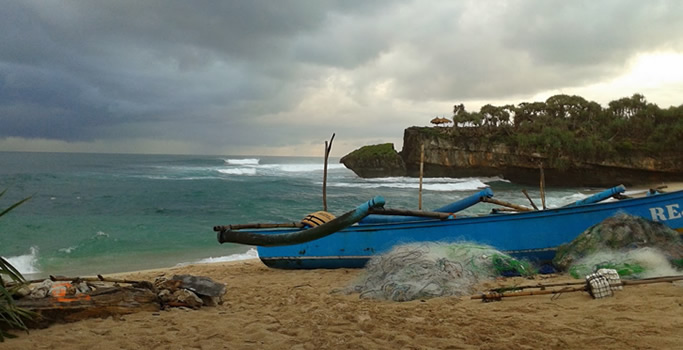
point(302, 236)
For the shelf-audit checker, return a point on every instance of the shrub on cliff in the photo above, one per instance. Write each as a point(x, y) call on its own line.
point(574, 129)
point(375, 161)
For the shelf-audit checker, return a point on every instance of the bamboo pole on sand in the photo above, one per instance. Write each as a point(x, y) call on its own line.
point(498, 293)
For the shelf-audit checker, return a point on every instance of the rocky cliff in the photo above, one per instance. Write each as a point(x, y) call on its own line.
point(375, 161)
point(451, 153)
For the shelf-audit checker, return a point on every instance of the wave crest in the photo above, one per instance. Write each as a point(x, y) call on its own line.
point(432, 184)
point(27, 263)
point(246, 161)
point(238, 171)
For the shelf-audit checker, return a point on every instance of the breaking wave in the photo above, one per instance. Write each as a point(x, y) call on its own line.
point(238, 171)
point(431, 184)
point(27, 263)
point(247, 161)
point(250, 254)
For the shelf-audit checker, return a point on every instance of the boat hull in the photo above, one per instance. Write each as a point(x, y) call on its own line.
point(530, 235)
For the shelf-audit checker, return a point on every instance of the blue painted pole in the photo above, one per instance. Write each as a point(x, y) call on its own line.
point(450, 208)
point(600, 196)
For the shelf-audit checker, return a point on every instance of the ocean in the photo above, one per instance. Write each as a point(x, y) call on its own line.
point(104, 213)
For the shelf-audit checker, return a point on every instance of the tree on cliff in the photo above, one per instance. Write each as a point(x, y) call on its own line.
point(568, 127)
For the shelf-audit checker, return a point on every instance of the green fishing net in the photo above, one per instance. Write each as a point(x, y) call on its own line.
point(621, 233)
point(632, 264)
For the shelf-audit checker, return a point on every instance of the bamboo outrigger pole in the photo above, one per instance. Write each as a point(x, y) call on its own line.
point(328, 148)
point(505, 204)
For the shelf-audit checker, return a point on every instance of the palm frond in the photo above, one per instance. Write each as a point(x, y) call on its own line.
point(10, 314)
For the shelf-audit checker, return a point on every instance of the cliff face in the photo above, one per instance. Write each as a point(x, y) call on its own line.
point(461, 155)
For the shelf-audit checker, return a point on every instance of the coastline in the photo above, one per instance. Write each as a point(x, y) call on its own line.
point(303, 309)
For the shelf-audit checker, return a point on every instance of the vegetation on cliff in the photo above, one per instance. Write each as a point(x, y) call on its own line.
point(374, 151)
point(568, 129)
point(375, 161)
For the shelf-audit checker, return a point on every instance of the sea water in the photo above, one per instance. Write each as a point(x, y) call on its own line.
point(104, 213)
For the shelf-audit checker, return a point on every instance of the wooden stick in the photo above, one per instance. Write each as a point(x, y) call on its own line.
point(422, 161)
point(539, 286)
point(248, 226)
point(99, 278)
point(406, 212)
point(328, 148)
point(652, 280)
point(543, 188)
point(582, 282)
point(496, 296)
point(529, 198)
point(505, 204)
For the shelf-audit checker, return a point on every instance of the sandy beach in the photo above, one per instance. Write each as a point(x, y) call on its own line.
point(277, 309)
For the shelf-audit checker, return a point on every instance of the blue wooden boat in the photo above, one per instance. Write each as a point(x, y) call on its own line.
point(534, 235)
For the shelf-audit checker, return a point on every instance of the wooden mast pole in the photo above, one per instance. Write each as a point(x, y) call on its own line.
point(542, 188)
point(328, 148)
point(422, 161)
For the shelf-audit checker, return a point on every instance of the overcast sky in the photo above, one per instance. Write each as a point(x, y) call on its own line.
point(279, 77)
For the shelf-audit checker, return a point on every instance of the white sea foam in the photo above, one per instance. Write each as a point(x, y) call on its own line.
point(432, 184)
point(554, 202)
point(238, 171)
point(302, 168)
point(68, 250)
point(250, 254)
point(27, 263)
point(247, 161)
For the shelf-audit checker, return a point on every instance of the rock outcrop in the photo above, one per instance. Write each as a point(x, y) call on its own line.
point(448, 154)
point(375, 161)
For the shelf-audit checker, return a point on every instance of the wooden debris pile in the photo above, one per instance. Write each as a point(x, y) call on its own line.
point(64, 299)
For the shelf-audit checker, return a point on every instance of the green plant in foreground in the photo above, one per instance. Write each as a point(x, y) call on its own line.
point(11, 316)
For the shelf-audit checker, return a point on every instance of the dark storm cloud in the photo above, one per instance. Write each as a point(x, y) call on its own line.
point(85, 64)
point(245, 72)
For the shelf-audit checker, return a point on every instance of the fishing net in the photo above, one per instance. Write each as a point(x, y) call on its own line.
point(621, 233)
point(638, 263)
point(428, 270)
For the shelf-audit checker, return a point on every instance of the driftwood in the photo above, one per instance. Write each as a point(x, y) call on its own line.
point(103, 302)
point(99, 278)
